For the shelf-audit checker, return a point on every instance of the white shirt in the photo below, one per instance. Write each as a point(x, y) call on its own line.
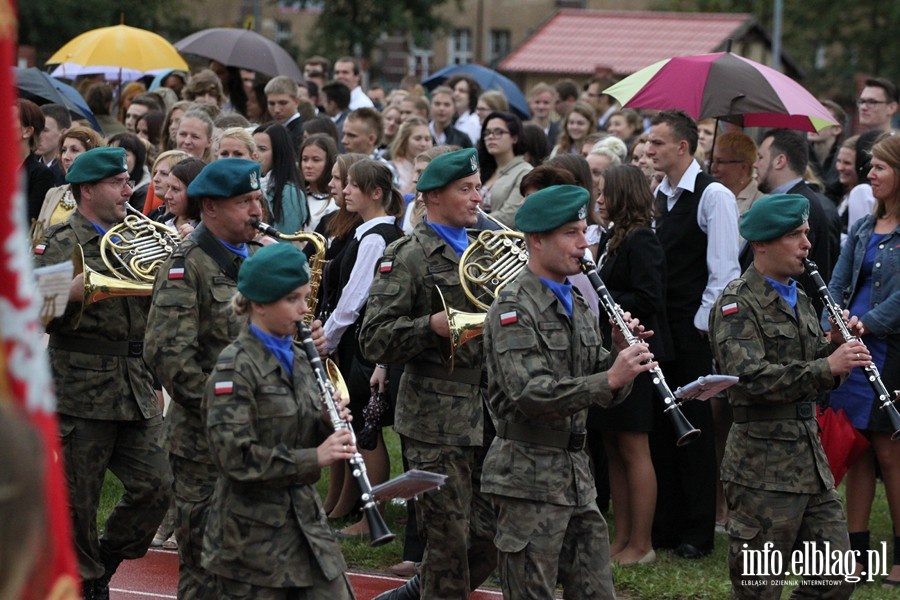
point(717, 216)
point(358, 99)
point(356, 292)
point(470, 125)
point(860, 203)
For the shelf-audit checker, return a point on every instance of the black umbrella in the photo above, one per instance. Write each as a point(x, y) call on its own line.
point(241, 48)
point(40, 88)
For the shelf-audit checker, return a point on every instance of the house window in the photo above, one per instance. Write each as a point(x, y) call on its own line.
point(499, 45)
point(282, 32)
point(460, 47)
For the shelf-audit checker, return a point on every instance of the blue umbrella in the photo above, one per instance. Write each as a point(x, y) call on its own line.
point(40, 88)
point(488, 79)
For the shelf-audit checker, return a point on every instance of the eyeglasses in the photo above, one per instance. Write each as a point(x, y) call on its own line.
point(718, 161)
point(119, 183)
point(494, 133)
point(869, 102)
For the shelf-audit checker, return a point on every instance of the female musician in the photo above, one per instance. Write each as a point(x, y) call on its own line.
point(866, 280)
point(317, 155)
point(632, 265)
point(370, 194)
point(59, 202)
point(267, 535)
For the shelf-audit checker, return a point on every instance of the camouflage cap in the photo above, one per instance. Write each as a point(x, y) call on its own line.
point(272, 273)
point(225, 178)
point(547, 209)
point(448, 167)
point(97, 164)
point(773, 216)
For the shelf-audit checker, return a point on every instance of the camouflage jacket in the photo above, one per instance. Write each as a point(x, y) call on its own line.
point(544, 370)
point(190, 323)
point(780, 359)
point(432, 409)
point(102, 383)
point(266, 524)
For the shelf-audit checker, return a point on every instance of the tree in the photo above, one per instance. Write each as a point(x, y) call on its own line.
point(355, 26)
point(48, 24)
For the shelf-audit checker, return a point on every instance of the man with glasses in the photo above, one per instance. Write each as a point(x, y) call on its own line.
point(108, 414)
point(877, 104)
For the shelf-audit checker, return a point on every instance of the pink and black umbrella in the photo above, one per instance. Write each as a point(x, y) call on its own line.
point(723, 86)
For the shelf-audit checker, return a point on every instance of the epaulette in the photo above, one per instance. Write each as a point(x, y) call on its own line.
point(393, 247)
point(227, 358)
point(386, 263)
point(734, 286)
point(506, 296)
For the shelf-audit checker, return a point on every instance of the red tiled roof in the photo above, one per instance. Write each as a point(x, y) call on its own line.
point(578, 41)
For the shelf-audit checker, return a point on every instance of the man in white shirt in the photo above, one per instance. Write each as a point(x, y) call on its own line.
point(697, 225)
point(346, 70)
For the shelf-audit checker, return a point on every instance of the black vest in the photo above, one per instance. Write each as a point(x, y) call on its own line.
point(684, 244)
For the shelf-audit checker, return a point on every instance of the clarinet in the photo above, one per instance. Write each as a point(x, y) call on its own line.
point(882, 394)
point(685, 432)
point(378, 529)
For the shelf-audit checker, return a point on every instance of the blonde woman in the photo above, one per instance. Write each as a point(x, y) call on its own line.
point(235, 142)
point(195, 132)
point(162, 166)
point(578, 124)
point(412, 139)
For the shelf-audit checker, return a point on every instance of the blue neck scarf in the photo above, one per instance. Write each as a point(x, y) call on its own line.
point(241, 250)
point(281, 347)
point(563, 291)
point(788, 292)
point(454, 236)
point(97, 228)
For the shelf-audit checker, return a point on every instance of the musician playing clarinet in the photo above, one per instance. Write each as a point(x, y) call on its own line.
point(546, 366)
point(267, 535)
point(778, 486)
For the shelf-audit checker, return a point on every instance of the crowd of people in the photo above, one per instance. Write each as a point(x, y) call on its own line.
point(544, 422)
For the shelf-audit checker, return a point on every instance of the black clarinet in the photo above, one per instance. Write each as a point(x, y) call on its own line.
point(378, 529)
point(882, 394)
point(685, 432)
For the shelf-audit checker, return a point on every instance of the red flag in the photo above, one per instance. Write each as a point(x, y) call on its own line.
point(24, 369)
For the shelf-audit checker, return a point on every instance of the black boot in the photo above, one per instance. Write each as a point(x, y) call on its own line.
point(407, 591)
point(101, 584)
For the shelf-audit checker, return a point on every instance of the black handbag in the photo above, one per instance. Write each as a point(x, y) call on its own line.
point(374, 414)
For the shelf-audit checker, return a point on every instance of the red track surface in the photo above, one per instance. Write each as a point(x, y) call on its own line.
point(156, 576)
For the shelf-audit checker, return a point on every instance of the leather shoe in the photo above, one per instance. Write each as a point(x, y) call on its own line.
point(690, 551)
point(406, 568)
point(408, 591)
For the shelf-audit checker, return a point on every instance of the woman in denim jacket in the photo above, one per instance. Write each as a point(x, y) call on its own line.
point(867, 281)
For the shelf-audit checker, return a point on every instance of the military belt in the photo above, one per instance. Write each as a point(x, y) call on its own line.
point(131, 348)
point(797, 411)
point(573, 441)
point(470, 376)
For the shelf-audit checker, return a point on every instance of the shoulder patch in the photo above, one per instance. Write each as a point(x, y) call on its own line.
point(386, 266)
point(40, 248)
point(176, 270)
point(224, 387)
point(729, 309)
point(509, 317)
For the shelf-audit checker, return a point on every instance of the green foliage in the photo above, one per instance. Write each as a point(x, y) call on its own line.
point(48, 24)
point(354, 27)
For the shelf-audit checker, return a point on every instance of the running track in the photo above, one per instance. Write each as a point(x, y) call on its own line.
point(155, 577)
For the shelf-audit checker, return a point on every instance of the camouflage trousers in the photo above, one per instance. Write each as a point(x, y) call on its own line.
point(193, 488)
point(787, 522)
point(543, 544)
point(129, 449)
point(321, 589)
point(456, 522)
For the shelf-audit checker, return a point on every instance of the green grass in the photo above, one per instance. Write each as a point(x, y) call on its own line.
point(669, 578)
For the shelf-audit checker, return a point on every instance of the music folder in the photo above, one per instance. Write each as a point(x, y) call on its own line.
point(411, 484)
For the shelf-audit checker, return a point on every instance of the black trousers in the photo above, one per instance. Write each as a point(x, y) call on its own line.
point(686, 475)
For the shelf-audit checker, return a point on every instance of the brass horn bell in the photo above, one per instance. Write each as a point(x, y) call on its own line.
point(100, 287)
point(464, 326)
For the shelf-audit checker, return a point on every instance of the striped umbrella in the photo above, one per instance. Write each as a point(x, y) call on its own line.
point(723, 86)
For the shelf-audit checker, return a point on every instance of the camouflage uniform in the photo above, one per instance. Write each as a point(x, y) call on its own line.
point(439, 414)
point(266, 526)
point(777, 482)
point(190, 323)
point(108, 414)
point(545, 369)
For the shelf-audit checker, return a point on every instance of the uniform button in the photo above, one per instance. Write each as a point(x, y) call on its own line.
point(877, 284)
point(877, 265)
point(880, 246)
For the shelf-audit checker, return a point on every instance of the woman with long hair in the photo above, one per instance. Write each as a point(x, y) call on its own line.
point(413, 138)
point(195, 134)
point(369, 193)
point(59, 202)
point(317, 155)
point(283, 183)
point(632, 264)
point(183, 211)
point(578, 124)
point(169, 133)
point(155, 205)
point(866, 280)
point(501, 152)
point(392, 121)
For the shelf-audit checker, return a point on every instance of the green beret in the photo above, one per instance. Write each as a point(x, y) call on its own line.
point(547, 209)
point(448, 167)
point(272, 272)
point(225, 178)
point(773, 216)
point(97, 164)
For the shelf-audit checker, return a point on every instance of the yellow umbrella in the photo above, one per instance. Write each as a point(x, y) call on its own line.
point(120, 46)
